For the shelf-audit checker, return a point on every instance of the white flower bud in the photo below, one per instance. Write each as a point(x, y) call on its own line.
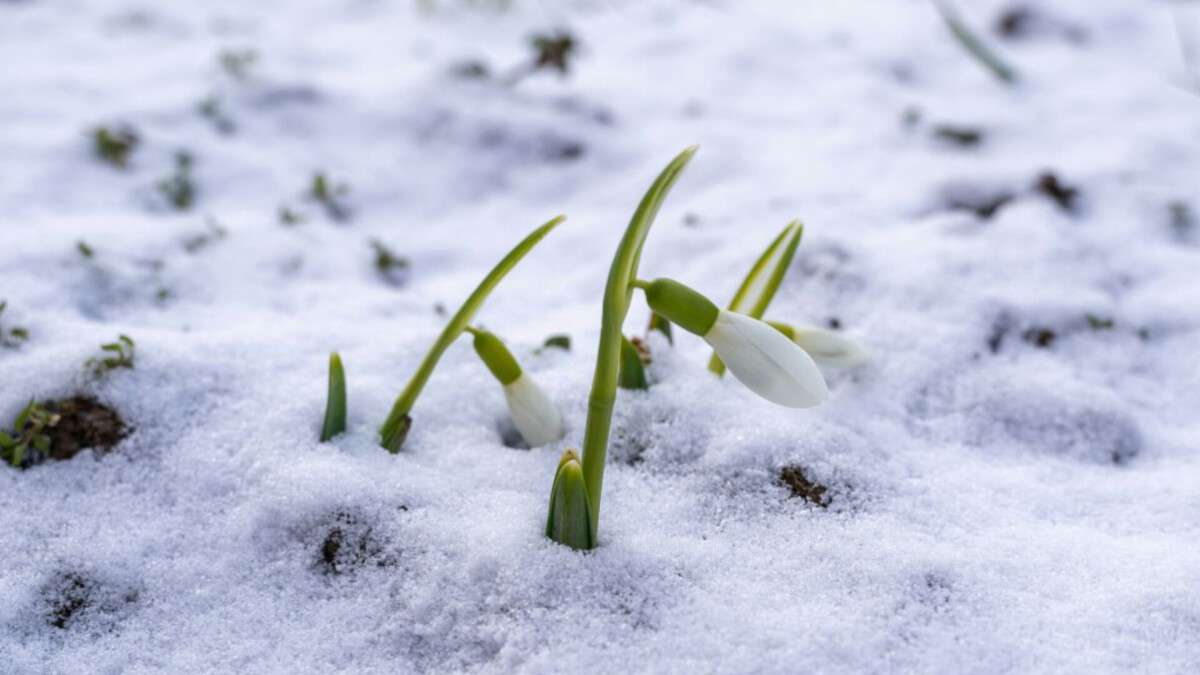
point(768, 363)
point(829, 348)
point(533, 413)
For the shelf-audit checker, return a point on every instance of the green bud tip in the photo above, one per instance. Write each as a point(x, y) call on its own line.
point(496, 356)
point(569, 521)
point(680, 305)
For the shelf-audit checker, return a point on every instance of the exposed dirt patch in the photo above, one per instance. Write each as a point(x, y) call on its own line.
point(61, 429)
point(793, 478)
point(1066, 196)
point(1039, 337)
point(83, 423)
point(349, 542)
point(71, 598)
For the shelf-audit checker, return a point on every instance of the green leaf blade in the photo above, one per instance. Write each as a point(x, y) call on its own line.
point(633, 374)
point(617, 294)
point(759, 287)
point(569, 521)
point(396, 426)
point(335, 404)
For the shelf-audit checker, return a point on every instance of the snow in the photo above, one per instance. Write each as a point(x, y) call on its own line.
point(1017, 509)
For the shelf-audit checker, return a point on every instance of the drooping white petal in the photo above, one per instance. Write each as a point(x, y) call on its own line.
point(829, 348)
point(533, 413)
point(768, 363)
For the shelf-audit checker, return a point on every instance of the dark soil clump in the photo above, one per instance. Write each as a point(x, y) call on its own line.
point(793, 478)
point(71, 598)
point(1064, 195)
point(1040, 337)
point(59, 430)
point(83, 422)
point(350, 543)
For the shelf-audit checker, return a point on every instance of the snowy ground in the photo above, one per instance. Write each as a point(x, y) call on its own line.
point(1013, 488)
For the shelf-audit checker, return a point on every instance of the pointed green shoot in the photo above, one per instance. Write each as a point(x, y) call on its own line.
point(974, 45)
point(617, 294)
point(395, 428)
point(569, 521)
point(633, 375)
point(759, 286)
point(660, 324)
point(335, 404)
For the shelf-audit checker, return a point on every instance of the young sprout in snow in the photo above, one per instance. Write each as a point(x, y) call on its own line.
point(633, 371)
point(975, 45)
point(122, 356)
point(571, 521)
point(211, 109)
point(761, 357)
point(11, 338)
point(85, 249)
point(288, 217)
point(661, 325)
point(826, 347)
point(557, 341)
point(115, 145)
point(757, 291)
point(335, 404)
point(763, 279)
point(533, 412)
point(392, 267)
point(28, 431)
point(395, 428)
point(178, 188)
point(331, 196)
point(574, 510)
point(552, 51)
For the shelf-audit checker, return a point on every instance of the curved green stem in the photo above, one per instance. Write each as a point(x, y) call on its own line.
point(617, 293)
point(395, 428)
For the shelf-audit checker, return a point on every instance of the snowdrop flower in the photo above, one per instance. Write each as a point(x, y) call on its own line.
point(533, 412)
point(759, 356)
point(826, 347)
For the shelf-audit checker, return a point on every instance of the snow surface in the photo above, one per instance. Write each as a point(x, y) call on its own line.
point(1017, 509)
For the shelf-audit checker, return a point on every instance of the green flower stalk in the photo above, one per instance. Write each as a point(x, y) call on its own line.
point(532, 411)
point(759, 356)
point(763, 279)
point(335, 404)
point(574, 514)
point(395, 428)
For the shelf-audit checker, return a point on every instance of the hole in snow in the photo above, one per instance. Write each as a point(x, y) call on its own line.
point(509, 435)
point(347, 541)
point(70, 599)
